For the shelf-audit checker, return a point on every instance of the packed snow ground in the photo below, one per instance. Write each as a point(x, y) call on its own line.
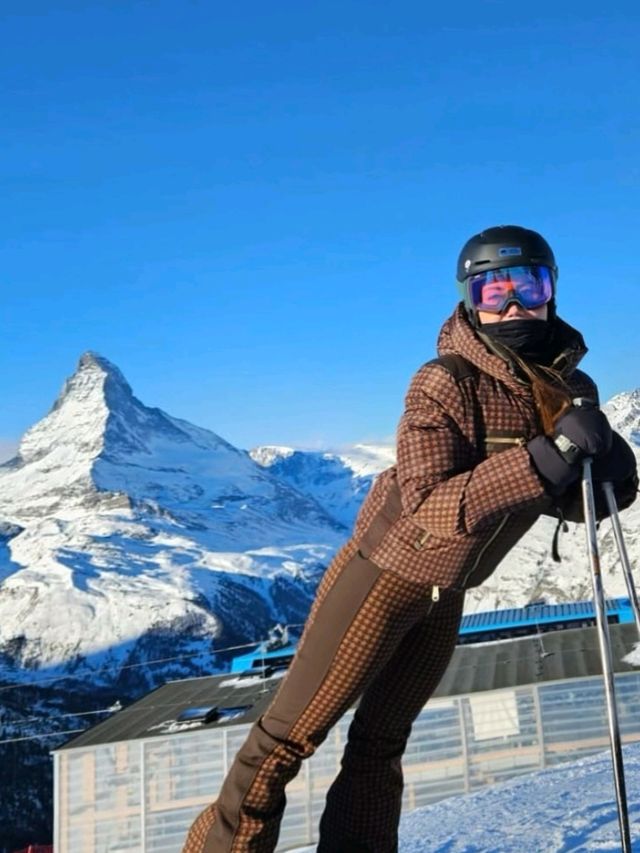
point(568, 808)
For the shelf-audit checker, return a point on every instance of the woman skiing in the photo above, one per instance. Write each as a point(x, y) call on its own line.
point(489, 439)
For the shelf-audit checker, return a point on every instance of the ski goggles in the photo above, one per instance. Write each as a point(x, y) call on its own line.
point(493, 290)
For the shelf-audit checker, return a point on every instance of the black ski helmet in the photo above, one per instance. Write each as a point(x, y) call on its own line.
point(499, 247)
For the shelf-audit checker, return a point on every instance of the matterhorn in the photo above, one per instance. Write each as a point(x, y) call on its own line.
point(127, 534)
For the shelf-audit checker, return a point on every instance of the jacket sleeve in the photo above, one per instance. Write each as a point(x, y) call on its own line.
point(444, 487)
point(582, 385)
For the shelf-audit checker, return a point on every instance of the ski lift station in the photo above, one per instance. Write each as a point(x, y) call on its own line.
point(523, 691)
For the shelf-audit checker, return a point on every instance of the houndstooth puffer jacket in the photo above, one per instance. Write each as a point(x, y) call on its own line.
point(464, 489)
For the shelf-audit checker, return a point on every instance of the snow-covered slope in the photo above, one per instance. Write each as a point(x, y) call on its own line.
point(337, 481)
point(570, 807)
point(119, 522)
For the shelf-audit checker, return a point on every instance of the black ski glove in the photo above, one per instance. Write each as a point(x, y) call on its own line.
point(582, 431)
point(618, 467)
point(556, 473)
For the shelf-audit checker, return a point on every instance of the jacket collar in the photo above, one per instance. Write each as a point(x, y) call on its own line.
point(458, 336)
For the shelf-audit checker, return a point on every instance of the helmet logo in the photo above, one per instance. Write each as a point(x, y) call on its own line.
point(508, 251)
point(467, 264)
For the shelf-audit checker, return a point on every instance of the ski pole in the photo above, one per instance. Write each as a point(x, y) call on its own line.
point(605, 654)
point(622, 550)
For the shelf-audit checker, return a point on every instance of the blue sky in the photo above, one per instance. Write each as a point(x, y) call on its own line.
point(255, 209)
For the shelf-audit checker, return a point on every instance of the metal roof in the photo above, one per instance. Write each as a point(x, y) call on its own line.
point(572, 653)
point(535, 614)
point(156, 714)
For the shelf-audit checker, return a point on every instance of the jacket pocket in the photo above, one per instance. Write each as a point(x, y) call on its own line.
point(383, 520)
point(408, 537)
point(417, 554)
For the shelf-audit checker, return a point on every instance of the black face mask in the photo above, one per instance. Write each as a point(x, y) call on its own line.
point(530, 339)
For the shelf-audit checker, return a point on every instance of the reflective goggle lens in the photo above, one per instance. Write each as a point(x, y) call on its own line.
point(491, 291)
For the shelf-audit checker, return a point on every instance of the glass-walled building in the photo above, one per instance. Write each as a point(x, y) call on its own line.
point(136, 781)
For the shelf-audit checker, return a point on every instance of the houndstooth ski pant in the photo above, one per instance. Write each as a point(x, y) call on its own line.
point(370, 634)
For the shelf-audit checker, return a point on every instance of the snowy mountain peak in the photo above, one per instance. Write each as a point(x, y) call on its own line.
point(623, 411)
point(100, 446)
point(93, 365)
point(76, 423)
point(268, 454)
point(95, 379)
point(96, 416)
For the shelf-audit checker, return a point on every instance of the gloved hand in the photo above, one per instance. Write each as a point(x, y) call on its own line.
point(618, 467)
point(582, 431)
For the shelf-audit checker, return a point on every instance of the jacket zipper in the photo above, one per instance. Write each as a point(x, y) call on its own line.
point(492, 539)
point(503, 439)
point(422, 540)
